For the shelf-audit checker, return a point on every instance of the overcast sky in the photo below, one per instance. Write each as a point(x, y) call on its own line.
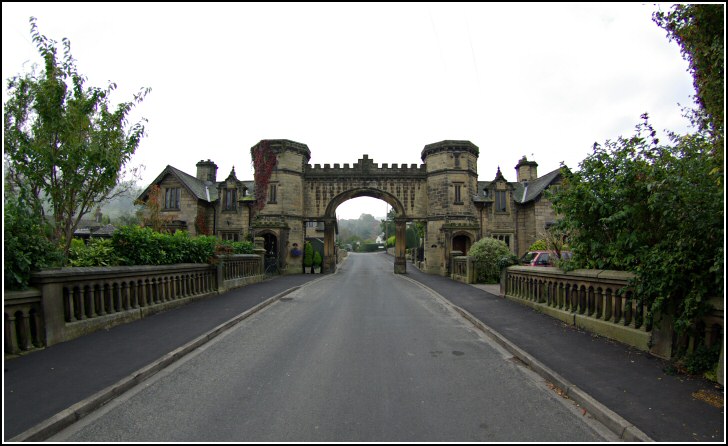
point(542, 80)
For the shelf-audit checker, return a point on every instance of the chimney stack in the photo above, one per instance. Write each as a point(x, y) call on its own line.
point(526, 170)
point(207, 171)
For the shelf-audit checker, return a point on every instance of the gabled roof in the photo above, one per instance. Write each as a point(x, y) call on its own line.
point(202, 190)
point(522, 192)
point(529, 191)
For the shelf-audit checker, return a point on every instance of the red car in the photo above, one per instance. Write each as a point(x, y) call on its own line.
point(542, 258)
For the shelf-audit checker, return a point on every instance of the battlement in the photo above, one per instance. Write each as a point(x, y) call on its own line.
point(366, 167)
point(450, 146)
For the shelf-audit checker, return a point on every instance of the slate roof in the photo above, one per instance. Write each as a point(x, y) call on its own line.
point(93, 229)
point(202, 190)
point(522, 192)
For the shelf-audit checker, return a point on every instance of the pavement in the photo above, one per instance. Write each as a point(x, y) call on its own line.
point(629, 391)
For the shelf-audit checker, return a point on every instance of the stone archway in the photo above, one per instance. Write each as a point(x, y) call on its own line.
point(462, 243)
point(271, 245)
point(400, 224)
point(439, 192)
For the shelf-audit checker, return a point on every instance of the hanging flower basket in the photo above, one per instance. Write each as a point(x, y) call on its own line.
point(295, 252)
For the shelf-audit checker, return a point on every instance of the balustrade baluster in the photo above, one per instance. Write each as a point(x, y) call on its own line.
point(607, 306)
point(133, 294)
point(142, 289)
point(115, 297)
point(11, 335)
point(69, 306)
point(619, 308)
point(88, 301)
point(124, 295)
point(37, 322)
point(27, 343)
point(600, 302)
point(590, 302)
point(179, 285)
point(645, 318)
point(632, 310)
point(581, 300)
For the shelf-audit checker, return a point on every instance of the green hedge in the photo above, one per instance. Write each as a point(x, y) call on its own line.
point(134, 245)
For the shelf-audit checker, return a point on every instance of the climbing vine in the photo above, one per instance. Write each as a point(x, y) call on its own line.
point(201, 224)
point(264, 160)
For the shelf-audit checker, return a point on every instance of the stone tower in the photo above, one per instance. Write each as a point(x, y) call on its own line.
point(452, 224)
point(280, 221)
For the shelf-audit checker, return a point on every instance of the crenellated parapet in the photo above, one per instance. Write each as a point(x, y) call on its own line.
point(450, 146)
point(365, 168)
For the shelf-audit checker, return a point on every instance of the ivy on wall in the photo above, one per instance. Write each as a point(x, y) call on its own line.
point(264, 160)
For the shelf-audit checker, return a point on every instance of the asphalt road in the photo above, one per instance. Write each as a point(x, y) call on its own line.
point(361, 356)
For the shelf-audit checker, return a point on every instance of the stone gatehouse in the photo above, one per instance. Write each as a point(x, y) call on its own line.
point(443, 193)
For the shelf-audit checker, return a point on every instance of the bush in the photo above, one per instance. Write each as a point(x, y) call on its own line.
point(539, 245)
point(307, 254)
point(317, 260)
point(244, 247)
point(703, 359)
point(143, 246)
point(98, 252)
point(490, 254)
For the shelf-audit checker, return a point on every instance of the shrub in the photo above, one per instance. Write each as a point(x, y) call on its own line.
point(487, 253)
point(98, 252)
point(703, 359)
point(539, 245)
point(307, 254)
point(143, 246)
point(244, 247)
point(317, 260)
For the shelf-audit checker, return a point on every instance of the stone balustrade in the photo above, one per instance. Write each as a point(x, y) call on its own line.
point(66, 303)
point(241, 269)
point(598, 301)
point(23, 321)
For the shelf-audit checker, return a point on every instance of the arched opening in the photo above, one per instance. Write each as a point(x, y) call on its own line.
point(270, 244)
point(400, 220)
point(461, 243)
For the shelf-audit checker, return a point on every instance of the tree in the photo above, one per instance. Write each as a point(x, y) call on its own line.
point(653, 209)
point(64, 141)
point(25, 243)
point(699, 29)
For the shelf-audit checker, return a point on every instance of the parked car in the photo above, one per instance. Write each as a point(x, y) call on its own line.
point(542, 258)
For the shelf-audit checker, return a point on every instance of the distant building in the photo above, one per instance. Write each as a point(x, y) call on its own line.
point(444, 193)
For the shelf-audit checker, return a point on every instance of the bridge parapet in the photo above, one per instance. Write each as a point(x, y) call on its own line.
point(601, 301)
point(70, 302)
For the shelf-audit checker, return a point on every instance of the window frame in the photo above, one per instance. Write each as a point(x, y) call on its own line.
point(172, 195)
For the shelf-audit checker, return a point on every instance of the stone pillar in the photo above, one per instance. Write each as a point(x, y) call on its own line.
point(400, 246)
point(329, 262)
point(220, 274)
